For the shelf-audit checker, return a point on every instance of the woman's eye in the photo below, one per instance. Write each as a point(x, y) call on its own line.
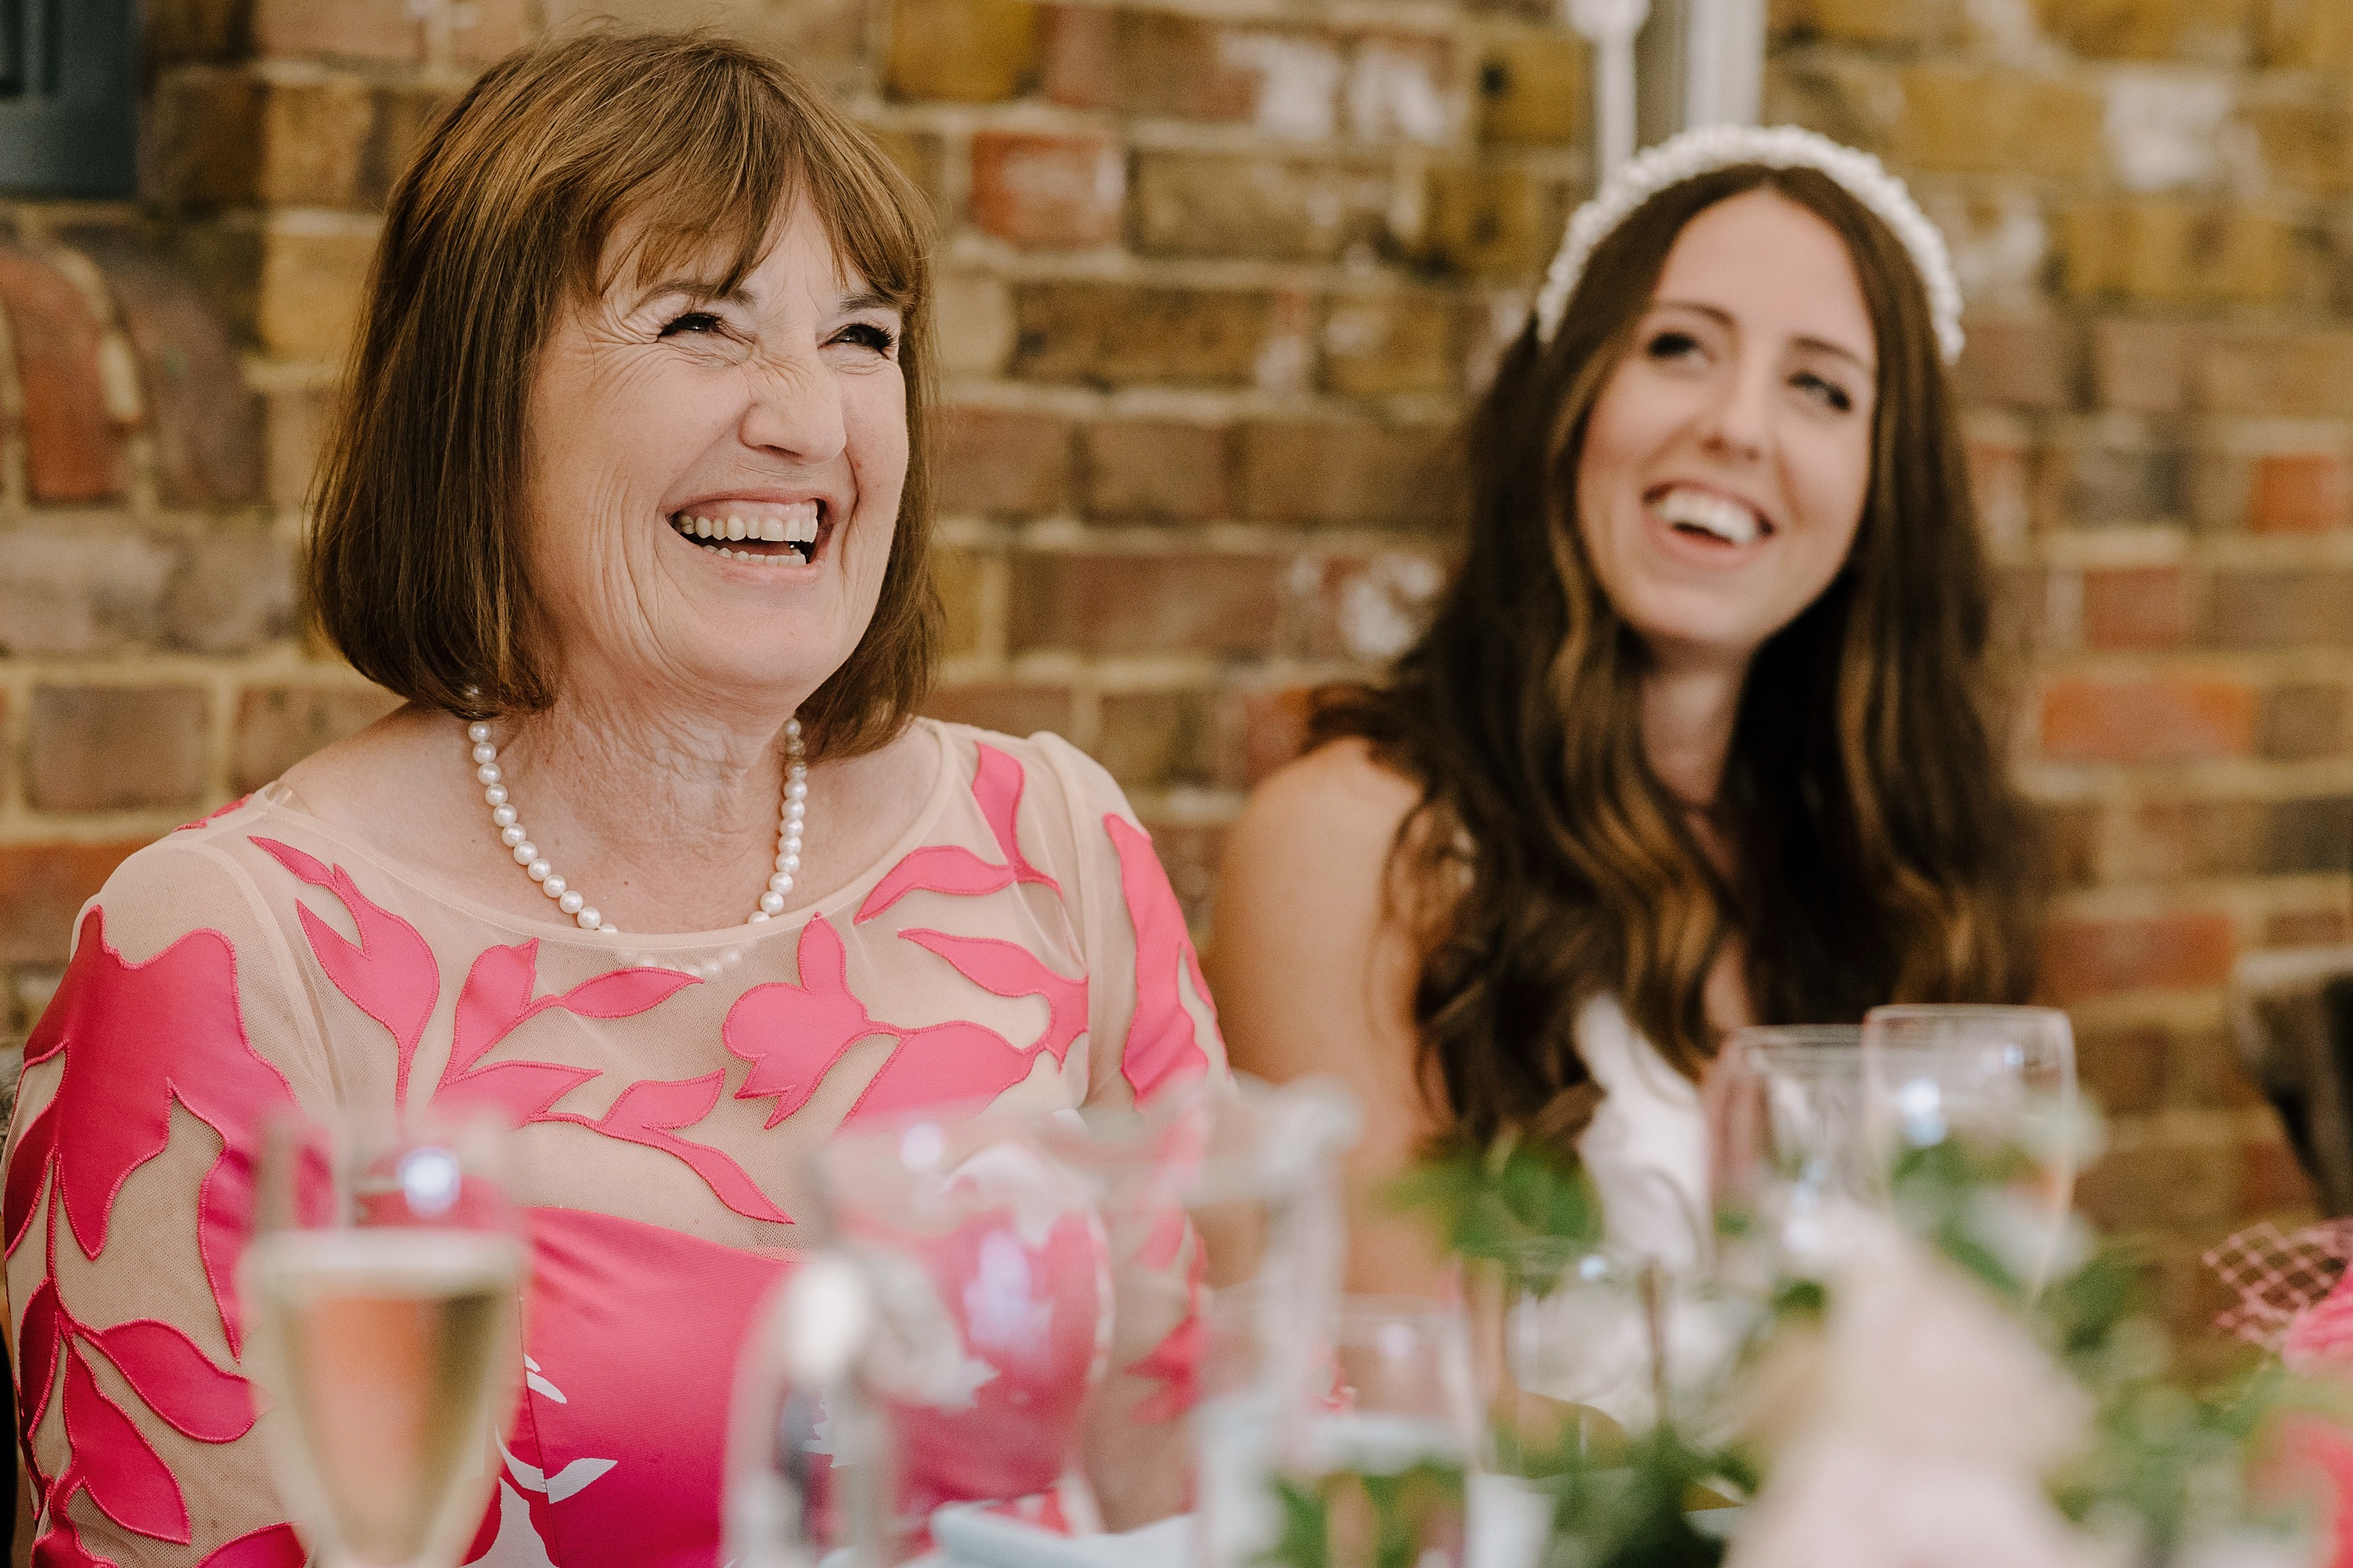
point(1830, 393)
point(695, 322)
point(1673, 345)
point(869, 335)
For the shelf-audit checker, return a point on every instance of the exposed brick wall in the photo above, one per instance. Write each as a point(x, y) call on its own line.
point(1216, 277)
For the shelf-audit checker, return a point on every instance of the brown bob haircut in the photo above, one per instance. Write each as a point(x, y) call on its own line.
point(500, 225)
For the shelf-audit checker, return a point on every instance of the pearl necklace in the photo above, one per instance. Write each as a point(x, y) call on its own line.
point(570, 900)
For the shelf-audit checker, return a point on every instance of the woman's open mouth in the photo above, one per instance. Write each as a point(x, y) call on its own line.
point(787, 535)
point(1709, 515)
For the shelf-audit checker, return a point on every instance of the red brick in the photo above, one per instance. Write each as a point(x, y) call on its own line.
point(1157, 63)
point(2308, 928)
point(2299, 492)
point(2305, 373)
point(2153, 1187)
point(2103, 471)
point(2001, 479)
point(1056, 191)
point(86, 588)
point(42, 887)
point(2301, 721)
point(2136, 607)
point(278, 726)
point(1355, 471)
point(1011, 707)
point(205, 422)
point(2261, 609)
point(73, 451)
point(1152, 471)
point(1155, 740)
point(2162, 717)
point(2270, 1179)
point(1117, 334)
point(2089, 957)
point(233, 592)
point(107, 748)
point(1004, 463)
point(2123, 1070)
point(2168, 840)
point(2023, 362)
point(2068, 842)
point(359, 30)
point(1380, 346)
point(958, 578)
point(1218, 605)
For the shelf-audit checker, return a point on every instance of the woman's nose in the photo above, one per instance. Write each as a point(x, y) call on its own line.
point(795, 408)
point(1739, 421)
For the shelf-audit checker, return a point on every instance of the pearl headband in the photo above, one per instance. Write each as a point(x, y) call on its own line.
point(1712, 147)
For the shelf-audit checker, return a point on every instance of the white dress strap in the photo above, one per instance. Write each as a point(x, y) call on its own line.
point(1646, 1148)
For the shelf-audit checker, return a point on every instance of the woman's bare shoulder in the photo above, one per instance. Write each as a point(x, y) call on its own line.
point(1339, 801)
point(409, 764)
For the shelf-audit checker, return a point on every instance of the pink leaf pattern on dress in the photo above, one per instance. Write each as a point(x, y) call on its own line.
point(275, 1547)
point(389, 975)
point(61, 1547)
point(176, 1380)
point(650, 1113)
point(1163, 1048)
point(38, 1341)
point(496, 1000)
point(793, 1033)
point(1008, 969)
point(116, 1466)
point(946, 1064)
point(951, 867)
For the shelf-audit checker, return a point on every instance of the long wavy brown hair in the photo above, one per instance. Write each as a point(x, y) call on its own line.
point(1877, 853)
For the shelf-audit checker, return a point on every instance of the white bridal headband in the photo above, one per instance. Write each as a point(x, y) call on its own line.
point(1712, 147)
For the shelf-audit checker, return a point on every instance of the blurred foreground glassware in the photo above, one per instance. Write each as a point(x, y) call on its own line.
point(1994, 1082)
point(1787, 1131)
point(385, 1285)
point(999, 1261)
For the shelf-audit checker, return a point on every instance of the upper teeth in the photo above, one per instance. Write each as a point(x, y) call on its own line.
point(1719, 515)
point(795, 524)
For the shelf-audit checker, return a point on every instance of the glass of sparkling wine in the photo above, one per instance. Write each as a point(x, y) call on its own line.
point(384, 1287)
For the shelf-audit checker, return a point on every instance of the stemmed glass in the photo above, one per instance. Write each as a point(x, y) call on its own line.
point(385, 1287)
point(1785, 1129)
point(1997, 1081)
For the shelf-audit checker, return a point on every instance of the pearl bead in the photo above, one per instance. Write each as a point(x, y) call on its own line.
point(503, 815)
point(756, 917)
point(571, 903)
point(513, 835)
point(797, 812)
point(486, 753)
point(782, 882)
point(772, 903)
point(496, 794)
point(796, 790)
point(711, 967)
point(477, 731)
point(588, 919)
point(553, 886)
point(540, 870)
point(525, 852)
point(489, 773)
point(788, 862)
point(793, 727)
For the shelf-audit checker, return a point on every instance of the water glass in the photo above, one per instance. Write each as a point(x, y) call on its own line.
point(1785, 1129)
point(386, 1285)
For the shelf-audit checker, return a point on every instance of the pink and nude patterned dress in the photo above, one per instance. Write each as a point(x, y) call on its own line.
point(1020, 945)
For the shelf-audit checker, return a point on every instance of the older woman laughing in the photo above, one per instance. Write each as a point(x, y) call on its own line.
point(628, 499)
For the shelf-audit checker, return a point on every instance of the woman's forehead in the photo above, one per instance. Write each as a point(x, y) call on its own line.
point(1774, 266)
point(644, 258)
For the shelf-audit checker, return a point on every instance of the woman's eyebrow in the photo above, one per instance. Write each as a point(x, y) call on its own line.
point(700, 289)
point(1723, 318)
point(867, 300)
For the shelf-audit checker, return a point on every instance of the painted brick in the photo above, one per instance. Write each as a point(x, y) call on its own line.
point(73, 451)
point(1996, 120)
point(973, 51)
point(2024, 361)
point(1117, 334)
point(2301, 721)
point(1003, 463)
point(43, 886)
point(2137, 607)
point(1155, 740)
point(1326, 472)
point(1227, 606)
point(2161, 717)
point(278, 726)
point(2141, 367)
point(1152, 471)
point(1378, 345)
point(1275, 209)
point(2182, 951)
point(103, 748)
point(1532, 87)
point(2299, 492)
point(1053, 191)
point(206, 423)
point(2259, 609)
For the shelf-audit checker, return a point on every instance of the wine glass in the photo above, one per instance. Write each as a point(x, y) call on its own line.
point(1785, 1129)
point(1997, 1081)
point(1386, 1464)
point(385, 1287)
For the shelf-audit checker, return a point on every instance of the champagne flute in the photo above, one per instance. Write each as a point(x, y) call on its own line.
point(1998, 1080)
point(385, 1287)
